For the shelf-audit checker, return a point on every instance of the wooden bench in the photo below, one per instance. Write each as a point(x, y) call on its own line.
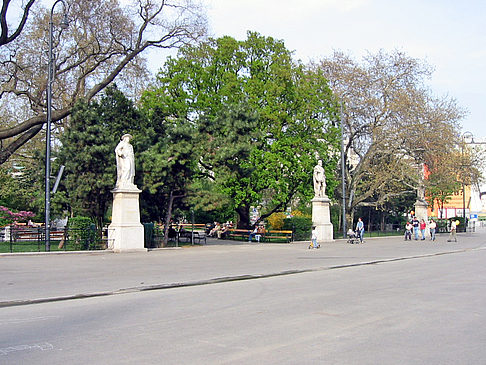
point(242, 234)
point(35, 234)
point(277, 235)
point(267, 236)
point(26, 234)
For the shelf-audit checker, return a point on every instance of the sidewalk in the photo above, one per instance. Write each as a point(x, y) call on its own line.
point(29, 279)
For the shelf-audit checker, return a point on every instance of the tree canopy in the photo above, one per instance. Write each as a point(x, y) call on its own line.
point(260, 121)
point(392, 124)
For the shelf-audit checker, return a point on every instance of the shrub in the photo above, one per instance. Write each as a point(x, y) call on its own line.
point(8, 217)
point(82, 232)
point(301, 226)
point(276, 220)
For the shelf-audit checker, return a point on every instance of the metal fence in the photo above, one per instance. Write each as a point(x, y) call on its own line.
point(179, 234)
point(32, 239)
point(388, 229)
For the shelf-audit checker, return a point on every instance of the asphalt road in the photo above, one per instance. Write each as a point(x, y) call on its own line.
point(384, 302)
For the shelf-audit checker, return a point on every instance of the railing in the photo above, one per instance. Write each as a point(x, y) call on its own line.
point(32, 239)
point(178, 234)
point(379, 230)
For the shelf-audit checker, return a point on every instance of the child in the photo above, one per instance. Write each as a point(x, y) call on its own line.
point(314, 239)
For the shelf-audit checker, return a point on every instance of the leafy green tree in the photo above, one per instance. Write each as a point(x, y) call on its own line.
point(87, 151)
point(260, 120)
point(169, 164)
point(12, 193)
point(19, 189)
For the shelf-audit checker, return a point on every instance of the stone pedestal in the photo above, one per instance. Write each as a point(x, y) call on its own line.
point(321, 219)
point(125, 233)
point(421, 210)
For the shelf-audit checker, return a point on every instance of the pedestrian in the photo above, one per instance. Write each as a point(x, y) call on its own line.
point(423, 225)
point(452, 234)
point(432, 227)
point(408, 231)
point(360, 229)
point(314, 239)
point(416, 227)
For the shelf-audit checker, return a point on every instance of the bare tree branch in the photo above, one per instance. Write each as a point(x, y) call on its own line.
point(103, 43)
point(5, 38)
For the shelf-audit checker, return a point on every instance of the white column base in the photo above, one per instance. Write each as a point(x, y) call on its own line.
point(421, 210)
point(321, 219)
point(125, 233)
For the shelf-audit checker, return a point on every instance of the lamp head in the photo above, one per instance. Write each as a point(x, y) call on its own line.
point(468, 138)
point(65, 22)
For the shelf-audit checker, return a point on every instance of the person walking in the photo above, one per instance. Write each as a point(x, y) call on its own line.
point(423, 225)
point(408, 231)
point(432, 227)
point(360, 229)
point(452, 234)
point(416, 226)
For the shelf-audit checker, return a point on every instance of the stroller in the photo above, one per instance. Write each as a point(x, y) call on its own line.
point(352, 237)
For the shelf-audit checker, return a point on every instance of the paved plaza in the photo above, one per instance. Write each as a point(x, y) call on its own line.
point(386, 301)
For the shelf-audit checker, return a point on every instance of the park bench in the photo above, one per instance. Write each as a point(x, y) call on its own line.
point(238, 234)
point(274, 235)
point(267, 236)
point(187, 236)
point(23, 233)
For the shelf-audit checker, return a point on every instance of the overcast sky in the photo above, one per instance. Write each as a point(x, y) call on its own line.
point(449, 34)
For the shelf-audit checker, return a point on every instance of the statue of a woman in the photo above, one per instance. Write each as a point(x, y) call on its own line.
point(319, 179)
point(125, 163)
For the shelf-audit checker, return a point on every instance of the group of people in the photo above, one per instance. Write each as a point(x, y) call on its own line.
point(417, 227)
point(257, 233)
point(219, 230)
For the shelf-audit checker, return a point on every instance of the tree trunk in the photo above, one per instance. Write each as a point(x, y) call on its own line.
point(349, 219)
point(244, 217)
point(168, 217)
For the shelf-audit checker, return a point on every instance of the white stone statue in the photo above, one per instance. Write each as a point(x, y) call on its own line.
point(319, 181)
point(125, 163)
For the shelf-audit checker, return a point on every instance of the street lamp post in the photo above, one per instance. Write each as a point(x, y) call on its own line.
point(464, 136)
point(50, 78)
point(343, 182)
point(467, 138)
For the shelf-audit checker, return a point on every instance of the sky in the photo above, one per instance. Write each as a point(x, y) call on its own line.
point(448, 34)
